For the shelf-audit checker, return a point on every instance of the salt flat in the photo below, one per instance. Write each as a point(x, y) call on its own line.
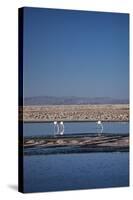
point(103, 112)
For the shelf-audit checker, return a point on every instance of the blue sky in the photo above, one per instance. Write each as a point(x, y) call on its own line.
point(76, 53)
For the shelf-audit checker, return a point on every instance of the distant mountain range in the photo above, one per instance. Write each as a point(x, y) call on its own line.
point(51, 100)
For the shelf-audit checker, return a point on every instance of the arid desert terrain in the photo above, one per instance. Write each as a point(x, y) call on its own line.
point(106, 112)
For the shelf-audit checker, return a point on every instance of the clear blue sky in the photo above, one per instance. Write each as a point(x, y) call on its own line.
point(76, 53)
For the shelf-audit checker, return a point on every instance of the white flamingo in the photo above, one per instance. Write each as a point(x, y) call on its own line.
point(56, 128)
point(100, 125)
point(61, 128)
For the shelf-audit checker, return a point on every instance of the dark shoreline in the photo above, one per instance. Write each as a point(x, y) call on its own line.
point(77, 150)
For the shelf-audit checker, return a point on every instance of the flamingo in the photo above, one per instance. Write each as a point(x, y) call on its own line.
point(56, 128)
point(62, 128)
point(99, 125)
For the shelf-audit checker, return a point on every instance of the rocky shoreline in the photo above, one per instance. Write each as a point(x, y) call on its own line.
point(76, 143)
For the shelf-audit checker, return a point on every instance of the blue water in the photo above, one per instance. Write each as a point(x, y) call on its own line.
point(36, 129)
point(56, 172)
point(75, 171)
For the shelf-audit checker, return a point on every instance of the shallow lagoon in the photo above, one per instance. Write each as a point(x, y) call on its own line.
point(36, 129)
point(44, 173)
